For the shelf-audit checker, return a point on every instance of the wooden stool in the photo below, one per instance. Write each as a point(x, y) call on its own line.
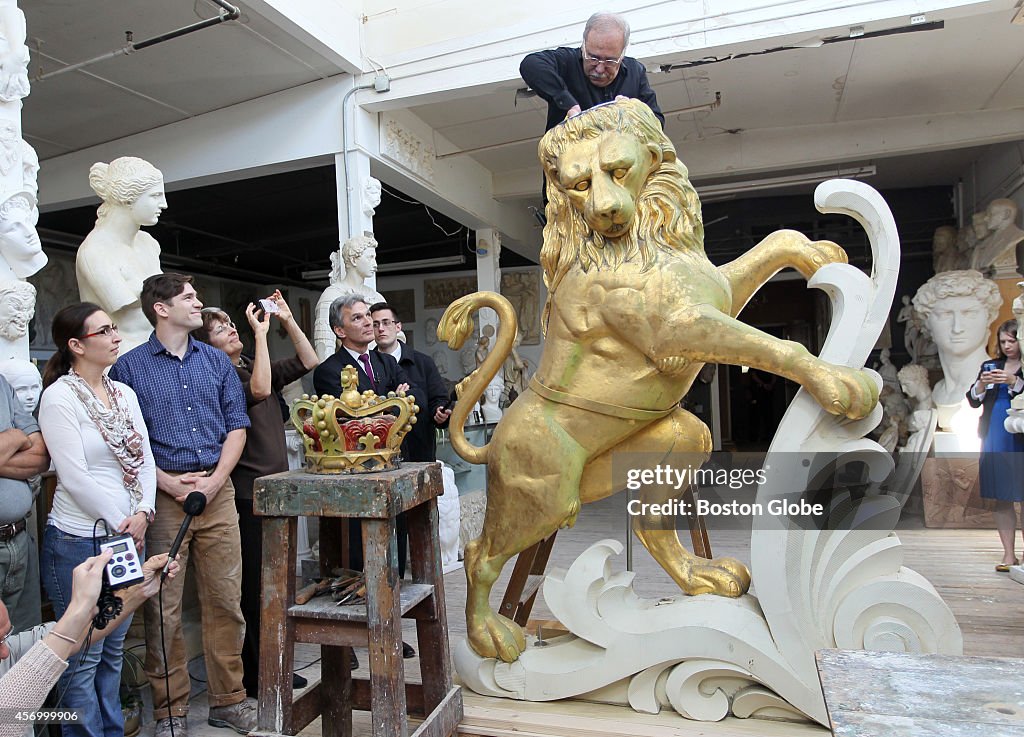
point(375, 499)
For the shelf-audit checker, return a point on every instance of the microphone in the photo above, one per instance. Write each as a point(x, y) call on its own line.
point(193, 505)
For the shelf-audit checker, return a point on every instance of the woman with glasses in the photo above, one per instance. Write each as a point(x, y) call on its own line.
point(106, 484)
point(265, 450)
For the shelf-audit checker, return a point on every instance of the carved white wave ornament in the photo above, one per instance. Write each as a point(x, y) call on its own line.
point(708, 657)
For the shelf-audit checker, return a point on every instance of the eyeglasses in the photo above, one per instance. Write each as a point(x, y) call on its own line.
point(8, 636)
point(106, 331)
point(224, 327)
point(607, 62)
point(385, 323)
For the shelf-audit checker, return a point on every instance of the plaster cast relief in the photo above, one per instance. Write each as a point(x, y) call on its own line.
point(370, 196)
point(14, 84)
point(522, 289)
point(10, 146)
point(406, 149)
point(17, 305)
point(117, 256)
point(357, 262)
point(997, 249)
point(29, 170)
point(957, 307)
point(24, 378)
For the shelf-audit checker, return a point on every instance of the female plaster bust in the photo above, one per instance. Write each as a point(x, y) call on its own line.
point(21, 252)
point(957, 308)
point(117, 256)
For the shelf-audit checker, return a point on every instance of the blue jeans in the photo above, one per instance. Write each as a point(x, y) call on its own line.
point(92, 689)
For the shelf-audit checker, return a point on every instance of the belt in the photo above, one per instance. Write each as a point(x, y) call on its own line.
point(9, 532)
point(208, 469)
point(593, 405)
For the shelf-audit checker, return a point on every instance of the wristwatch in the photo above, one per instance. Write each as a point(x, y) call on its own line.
point(150, 515)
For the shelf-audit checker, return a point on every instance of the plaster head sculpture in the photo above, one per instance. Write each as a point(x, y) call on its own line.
point(489, 404)
point(24, 378)
point(956, 308)
point(997, 249)
point(1000, 214)
point(17, 306)
point(979, 225)
point(20, 246)
point(914, 383)
point(360, 256)
point(29, 170)
point(944, 253)
point(129, 184)
point(117, 256)
point(370, 196)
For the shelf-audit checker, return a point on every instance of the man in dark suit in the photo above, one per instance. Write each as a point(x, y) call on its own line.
point(420, 443)
point(350, 320)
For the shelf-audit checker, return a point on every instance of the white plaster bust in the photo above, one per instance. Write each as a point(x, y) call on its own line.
point(957, 308)
point(20, 248)
point(17, 306)
point(117, 256)
point(370, 196)
point(24, 378)
point(997, 246)
point(492, 396)
point(914, 383)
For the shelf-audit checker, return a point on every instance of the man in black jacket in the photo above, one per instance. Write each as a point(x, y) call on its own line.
point(422, 372)
point(574, 79)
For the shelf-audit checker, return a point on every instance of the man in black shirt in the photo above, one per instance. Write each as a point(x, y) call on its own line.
point(573, 80)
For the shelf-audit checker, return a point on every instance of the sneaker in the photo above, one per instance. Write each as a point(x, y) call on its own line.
point(241, 717)
point(162, 727)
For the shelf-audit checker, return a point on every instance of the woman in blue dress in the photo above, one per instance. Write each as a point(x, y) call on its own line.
point(1001, 469)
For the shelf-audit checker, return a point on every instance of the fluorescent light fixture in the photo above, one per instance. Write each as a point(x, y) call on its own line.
point(316, 274)
point(422, 263)
point(715, 191)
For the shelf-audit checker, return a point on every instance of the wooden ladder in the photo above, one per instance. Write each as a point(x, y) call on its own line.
point(528, 572)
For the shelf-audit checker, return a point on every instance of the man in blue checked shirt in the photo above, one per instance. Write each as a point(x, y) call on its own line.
point(194, 407)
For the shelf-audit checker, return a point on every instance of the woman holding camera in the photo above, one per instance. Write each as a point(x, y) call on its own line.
point(265, 451)
point(1000, 467)
point(99, 444)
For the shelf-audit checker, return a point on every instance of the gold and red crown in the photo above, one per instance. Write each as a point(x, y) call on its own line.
point(356, 432)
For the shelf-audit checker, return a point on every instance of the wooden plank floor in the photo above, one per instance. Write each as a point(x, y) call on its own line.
point(959, 563)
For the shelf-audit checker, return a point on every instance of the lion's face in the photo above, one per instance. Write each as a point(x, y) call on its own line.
point(603, 176)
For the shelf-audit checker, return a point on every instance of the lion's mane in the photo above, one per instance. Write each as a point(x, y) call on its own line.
point(667, 210)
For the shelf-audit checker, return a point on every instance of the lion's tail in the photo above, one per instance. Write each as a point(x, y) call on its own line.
point(456, 325)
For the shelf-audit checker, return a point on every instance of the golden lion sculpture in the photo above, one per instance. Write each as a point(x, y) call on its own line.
point(634, 310)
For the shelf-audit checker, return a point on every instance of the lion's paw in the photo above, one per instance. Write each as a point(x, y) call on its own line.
point(847, 392)
point(721, 576)
point(494, 636)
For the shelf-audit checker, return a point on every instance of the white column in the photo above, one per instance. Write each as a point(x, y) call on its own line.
point(21, 253)
point(355, 212)
point(488, 273)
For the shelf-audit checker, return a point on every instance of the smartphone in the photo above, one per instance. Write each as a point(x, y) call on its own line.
point(989, 366)
point(269, 306)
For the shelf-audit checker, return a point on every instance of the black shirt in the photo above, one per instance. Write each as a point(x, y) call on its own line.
point(557, 76)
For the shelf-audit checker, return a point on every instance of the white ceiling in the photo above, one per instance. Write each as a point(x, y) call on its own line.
point(975, 64)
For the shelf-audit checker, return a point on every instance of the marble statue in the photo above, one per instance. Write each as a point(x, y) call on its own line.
point(957, 308)
point(24, 378)
point(944, 253)
point(449, 520)
point(21, 252)
point(998, 248)
point(483, 344)
point(370, 196)
point(887, 370)
point(17, 306)
point(117, 256)
point(612, 371)
point(515, 372)
point(358, 263)
point(324, 339)
point(914, 383)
